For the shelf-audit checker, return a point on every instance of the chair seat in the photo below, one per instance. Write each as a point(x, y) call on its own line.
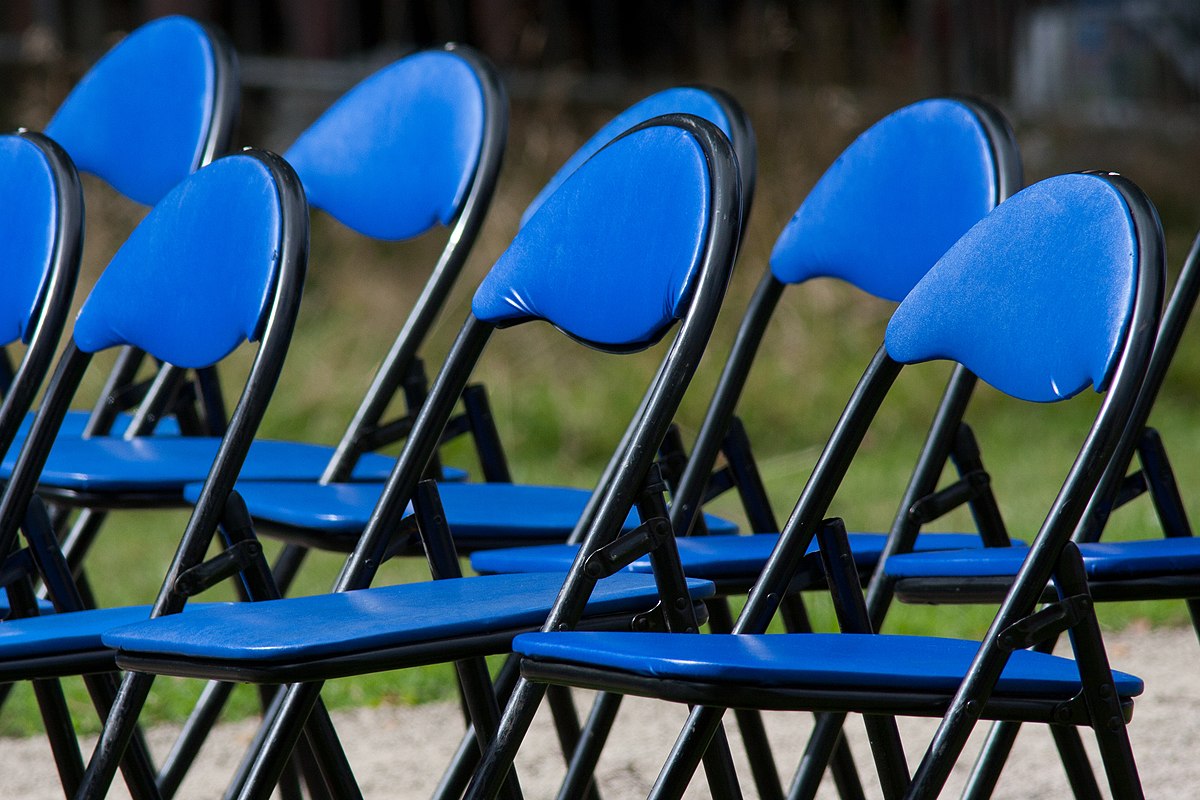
point(44, 606)
point(74, 632)
point(75, 421)
point(809, 661)
point(713, 557)
point(1142, 558)
point(481, 513)
point(167, 463)
point(353, 622)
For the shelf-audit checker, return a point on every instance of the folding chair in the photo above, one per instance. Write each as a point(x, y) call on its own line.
point(953, 160)
point(647, 231)
point(357, 162)
point(158, 106)
point(187, 298)
point(41, 228)
point(1057, 288)
point(1139, 569)
point(498, 513)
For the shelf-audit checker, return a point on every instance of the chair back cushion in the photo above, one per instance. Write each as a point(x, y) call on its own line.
point(28, 229)
point(1036, 298)
point(681, 100)
point(140, 118)
point(194, 278)
point(894, 201)
point(395, 155)
point(609, 258)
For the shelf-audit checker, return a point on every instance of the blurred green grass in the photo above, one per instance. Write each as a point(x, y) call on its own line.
point(560, 409)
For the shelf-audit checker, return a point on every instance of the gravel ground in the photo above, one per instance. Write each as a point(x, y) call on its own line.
point(398, 752)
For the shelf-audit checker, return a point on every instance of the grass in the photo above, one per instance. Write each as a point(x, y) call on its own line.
point(560, 409)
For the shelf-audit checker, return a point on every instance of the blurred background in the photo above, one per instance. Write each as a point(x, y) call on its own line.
point(1087, 84)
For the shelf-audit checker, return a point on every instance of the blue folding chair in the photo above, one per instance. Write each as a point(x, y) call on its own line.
point(849, 227)
point(188, 298)
point(332, 516)
point(1058, 288)
point(653, 215)
point(158, 106)
point(1139, 569)
point(359, 162)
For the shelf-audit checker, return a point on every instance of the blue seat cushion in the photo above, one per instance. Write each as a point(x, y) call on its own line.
point(712, 557)
point(73, 632)
point(473, 510)
point(358, 621)
point(811, 660)
point(1142, 558)
point(75, 421)
point(167, 463)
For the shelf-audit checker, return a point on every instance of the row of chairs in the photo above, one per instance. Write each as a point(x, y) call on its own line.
point(1056, 288)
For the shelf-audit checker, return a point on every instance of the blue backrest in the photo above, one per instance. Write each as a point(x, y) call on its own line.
point(28, 233)
point(894, 201)
point(395, 155)
point(193, 280)
point(141, 118)
point(693, 100)
point(1036, 298)
point(609, 258)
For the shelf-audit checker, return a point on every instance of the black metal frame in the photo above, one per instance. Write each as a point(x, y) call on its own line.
point(1051, 554)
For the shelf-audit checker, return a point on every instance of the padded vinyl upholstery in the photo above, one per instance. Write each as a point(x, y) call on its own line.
point(898, 197)
point(192, 281)
point(635, 214)
point(712, 557)
point(351, 622)
point(1068, 243)
point(394, 156)
point(1143, 558)
point(140, 117)
point(810, 660)
point(28, 224)
point(679, 100)
point(473, 510)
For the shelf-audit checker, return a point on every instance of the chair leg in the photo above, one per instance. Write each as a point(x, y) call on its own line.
point(827, 746)
point(1075, 762)
point(754, 734)
point(514, 724)
point(120, 730)
point(56, 720)
point(582, 767)
point(570, 738)
point(208, 708)
point(701, 728)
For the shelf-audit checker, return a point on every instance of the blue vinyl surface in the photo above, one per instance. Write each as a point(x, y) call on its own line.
point(894, 202)
point(1068, 242)
point(351, 622)
point(1142, 558)
point(76, 420)
point(167, 463)
point(712, 557)
point(507, 510)
point(179, 291)
point(140, 117)
point(635, 215)
point(810, 661)
point(75, 632)
point(395, 155)
point(29, 220)
point(679, 100)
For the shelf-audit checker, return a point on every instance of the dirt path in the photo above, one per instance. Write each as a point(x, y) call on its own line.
point(399, 752)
